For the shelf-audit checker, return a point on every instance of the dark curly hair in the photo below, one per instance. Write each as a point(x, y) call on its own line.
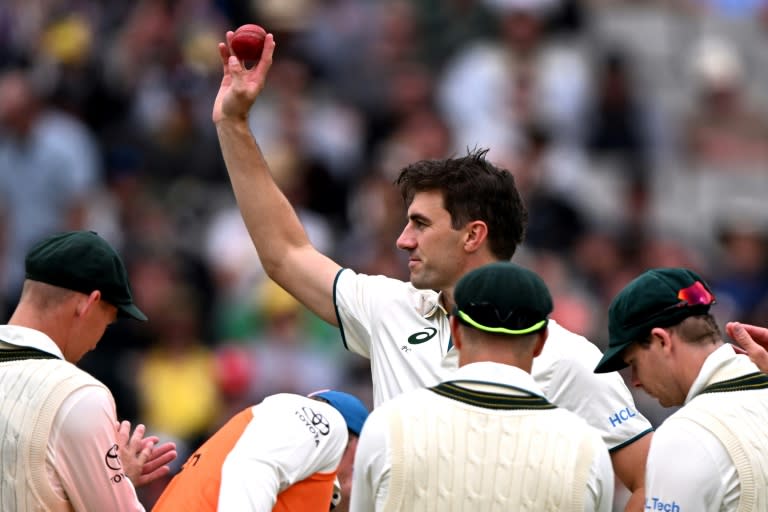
point(473, 189)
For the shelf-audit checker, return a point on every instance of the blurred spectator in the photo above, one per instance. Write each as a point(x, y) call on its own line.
point(617, 123)
point(448, 25)
point(287, 357)
point(725, 130)
point(177, 381)
point(377, 216)
point(49, 165)
point(741, 283)
point(522, 77)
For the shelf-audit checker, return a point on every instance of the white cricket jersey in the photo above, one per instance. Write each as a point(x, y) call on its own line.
point(290, 438)
point(689, 469)
point(373, 460)
point(406, 334)
point(81, 460)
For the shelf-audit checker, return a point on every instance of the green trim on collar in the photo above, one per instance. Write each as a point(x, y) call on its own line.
point(488, 400)
point(747, 382)
point(22, 354)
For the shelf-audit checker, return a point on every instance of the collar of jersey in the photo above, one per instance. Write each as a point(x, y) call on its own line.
point(427, 302)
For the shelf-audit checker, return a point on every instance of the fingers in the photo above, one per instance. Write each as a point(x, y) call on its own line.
point(266, 55)
point(161, 455)
point(742, 336)
point(758, 334)
point(224, 54)
point(138, 434)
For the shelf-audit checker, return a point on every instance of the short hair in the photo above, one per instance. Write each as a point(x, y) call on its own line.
point(473, 189)
point(695, 330)
point(44, 296)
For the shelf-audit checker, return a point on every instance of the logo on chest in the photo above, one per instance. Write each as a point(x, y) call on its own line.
point(422, 336)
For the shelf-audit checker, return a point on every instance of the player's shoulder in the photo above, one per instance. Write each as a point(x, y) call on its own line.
point(387, 288)
point(314, 415)
point(413, 399)
point(565, 347)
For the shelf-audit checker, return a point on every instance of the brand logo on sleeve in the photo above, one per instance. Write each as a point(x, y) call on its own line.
point(317, 424)
point(112, 460)
point(420, 337)
point(657, 504)
point(621, 416)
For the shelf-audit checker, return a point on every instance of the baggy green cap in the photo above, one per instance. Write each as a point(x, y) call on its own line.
point(83, 261)
point(503, 298)
point(659, 297)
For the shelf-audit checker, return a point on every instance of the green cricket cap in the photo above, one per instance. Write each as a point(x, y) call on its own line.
point(83, 261)
point(503, 298)
point(659, 297)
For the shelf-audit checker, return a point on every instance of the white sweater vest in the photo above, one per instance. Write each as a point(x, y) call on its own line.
point(736, 412)
point(454, 453)
point(31, 393)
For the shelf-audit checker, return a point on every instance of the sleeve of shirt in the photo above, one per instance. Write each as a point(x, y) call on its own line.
point(603, 400)
point(686, 469)
point(370, 480)
point(284, 443)
point(352, 311)
point(83, 454)
point(600, 486)
point(358, 299)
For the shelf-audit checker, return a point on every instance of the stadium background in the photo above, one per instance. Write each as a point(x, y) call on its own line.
point(636, 130)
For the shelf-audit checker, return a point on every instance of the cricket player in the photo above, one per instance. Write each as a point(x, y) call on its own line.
point(487, 439)
point(712, 454)
point(61, 448)
point(281, 455)
point(462, 213)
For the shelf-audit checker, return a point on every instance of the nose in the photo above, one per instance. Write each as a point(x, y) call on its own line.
point(405, 241)
point(635, 381)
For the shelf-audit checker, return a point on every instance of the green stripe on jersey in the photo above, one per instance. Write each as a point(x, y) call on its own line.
point(491, 400)
point(22, 354)
point(755, 380)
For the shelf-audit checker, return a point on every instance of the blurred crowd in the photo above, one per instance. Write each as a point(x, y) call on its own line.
point(637, 131)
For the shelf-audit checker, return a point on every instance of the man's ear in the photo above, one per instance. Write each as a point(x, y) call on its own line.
point(455, 332)
point(663, 336)
point(541, 338)
point(477, 233)
point(87, 302)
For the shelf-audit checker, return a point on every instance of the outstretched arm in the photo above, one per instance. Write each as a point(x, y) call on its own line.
point(754, 341)
point(284, 249)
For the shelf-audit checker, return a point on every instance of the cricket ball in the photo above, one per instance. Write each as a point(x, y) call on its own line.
point(248, 42)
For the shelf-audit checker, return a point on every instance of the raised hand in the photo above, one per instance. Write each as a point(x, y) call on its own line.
point(240, 85)
point(753, 340)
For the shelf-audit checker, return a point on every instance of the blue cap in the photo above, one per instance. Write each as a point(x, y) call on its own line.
point(351, 408)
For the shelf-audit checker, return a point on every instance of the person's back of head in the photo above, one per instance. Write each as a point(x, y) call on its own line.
point(501, 315)
point(473, 189)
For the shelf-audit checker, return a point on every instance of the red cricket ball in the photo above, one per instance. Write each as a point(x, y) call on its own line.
point(248, 42)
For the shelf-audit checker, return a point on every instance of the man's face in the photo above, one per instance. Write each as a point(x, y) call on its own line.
point(435, 249)
point(653, 371)
point(99, 316)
